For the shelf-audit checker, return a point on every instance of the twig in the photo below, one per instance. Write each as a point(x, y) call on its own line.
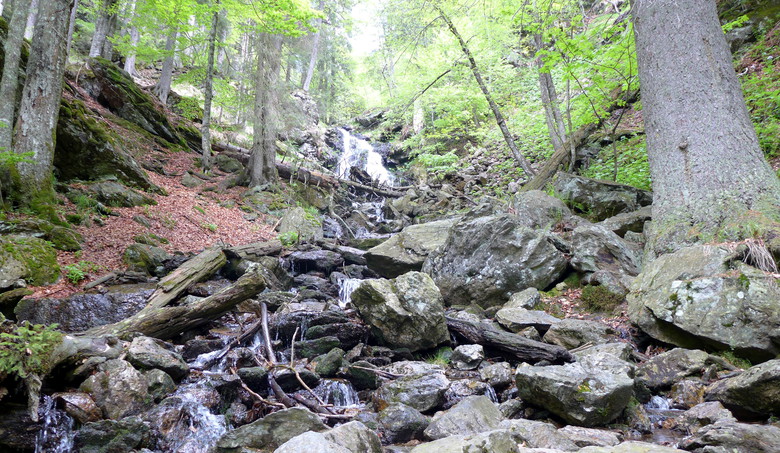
point(269, 350)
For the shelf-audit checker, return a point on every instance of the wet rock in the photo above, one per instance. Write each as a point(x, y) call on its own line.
point(118, 389)
point(161, 384)
point(194, 348)
point(473, 415)
point(572, 333)
point(147, 353)
point(704, 414)
point(361, 377)
point(407, 312)
point(591, 392)
point(628, 222)
point(528, 298)
point(297, 221)
point(256, 378)
point(498, 375)
point(407, 250)
point(599, 200)
point(467, 357)
point(328, 365)
point(517, 319)
point(422, 392)
point(271, 431)
point(461, 389)
point(284, 325)
point(687, 393)
point(401, 423)
point(83, 311)
point(486, 259)
point(315, 260)
point(632, 447)
point(311, 442)
point(26, 260)
point(289, 382)
point(111, 436)
point(537, 210)
point(497, 441)
point(80, 406)
point(599, 250)
point(661, 371)
point(754, 392)
point(348, 333)
point(730, 436)
point(586, 437)
point(536, 434)
point(355, 437)
point(312, 348)
point(700, 295)
point(145, 258)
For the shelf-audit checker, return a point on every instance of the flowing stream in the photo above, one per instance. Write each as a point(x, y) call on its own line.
point(360, 153)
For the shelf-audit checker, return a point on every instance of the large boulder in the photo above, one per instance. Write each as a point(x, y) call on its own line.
point(590, 392)
point(598, 200)
point(118, 389)
point(663, 370)
point(572, 333)
point(401, 423)
point(536, 209)
point(730, 436)
point(487, 259)
point(422, 392)
point(473, 415)
point(407, 250)
point(299, 225)
point(536, 434)
point(112, 193)
point(496, 441)
point(407, 312)
point(597, 250)
point(115, 89)
point(355, 437)
point(271, 431)
point(26, 261)
point(145, 258)
point(150, 353)
point(754, 392)
point(701, 296)
point(86, 150)
point(83, 311)
point(632, 447)
point(310, 442)
point(112, 436)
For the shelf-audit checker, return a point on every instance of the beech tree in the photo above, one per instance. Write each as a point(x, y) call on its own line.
point(710, 179)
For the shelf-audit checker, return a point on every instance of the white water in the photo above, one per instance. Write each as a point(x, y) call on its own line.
point(346, 287)
point(56, 435)
point(197, 429)
point(339, 393)
point(359, 153)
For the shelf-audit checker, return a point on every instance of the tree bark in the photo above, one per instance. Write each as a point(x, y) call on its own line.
point(549, 96)
point(106, 14)
point(10, 79)
point(135, 37)
point(510, 142)
point(209, 93)
point(262, 163)
point(709, 174)
point(31, 20)
point(40, 104)
point(8, 9)
point(72, 25)
point(193, 271)
point(315, 50)
point(163, 87)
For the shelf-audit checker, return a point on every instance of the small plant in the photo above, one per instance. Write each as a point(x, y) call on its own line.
point(210, 226)
point(599, 298)
point(289, 238)
point(78, 271)
point(738, 362)
point(199, 209)
point(25, 349)
point(442, 356)
point(168, 222)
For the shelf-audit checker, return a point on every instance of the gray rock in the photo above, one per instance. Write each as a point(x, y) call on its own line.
point(355, 437)
point(360, 376)
point(632, 447)
point(699, 295)
point(467, 357)
point(537, 210)
point(599, 200)
point(517, 319)
point(728, 436)
point(497, 441)
point(528, 298)
point(591, 392)
point(401, 423)
point(145, 258)
point(411, 367)
point(598, 250)
point(118, 389)
point(161, 384)
point(315, 260)
point(228, 164)
point(311, 442)
point(255, 377)
point(663, 370)
point(329, 364)
point(190, 181)
point(572, 333)
point(498, 375)
point(148, 353)
point(111, 436)
point(536, 434)
point(473, 415)
point(628, 222)
point(272, 430)
point(422, 392)
point(80, 406)
point(586, 437)
point(486, 259)
point(460, 389)
point(407, 312)
point(26, 260)
point(687, 393)
point(114, 194)
point(704, 414)
point(623, 351)
point(407, 250)
point(296, 220)
point(754, 392)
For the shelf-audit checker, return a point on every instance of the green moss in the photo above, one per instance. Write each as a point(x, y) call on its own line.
point(37, 257)
point(599, 298)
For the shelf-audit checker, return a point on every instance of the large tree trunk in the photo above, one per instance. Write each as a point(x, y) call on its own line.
point(135, 37)
point(72, 25)
point(103, 25)
point(710, 178)
point(510, 142)
point(262, 163)
point(209, 93)
point(31, 20)
point(10, 78)
point(315, 50)
point(549, 96)
point(40, 104)
point(8, 9)
point(163, 87)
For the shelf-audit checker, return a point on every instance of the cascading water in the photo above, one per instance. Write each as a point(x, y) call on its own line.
point(339, 393)
point(346, 287)
point(359, 153)
point(188, 425)
point(56, 435)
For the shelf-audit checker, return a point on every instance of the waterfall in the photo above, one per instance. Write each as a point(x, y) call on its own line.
point(359, 153)
point(339, 393)
point(346, 287)
point(56, 435)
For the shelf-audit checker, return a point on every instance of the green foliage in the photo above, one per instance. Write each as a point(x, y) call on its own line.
point(210, 226)
point(26, 348)
point(78, 271)
point(634, 168)
point(441, 356)
point(736, 23)
point(289, 238)
point(738, 362)
point(600, 299)
point(762, 95)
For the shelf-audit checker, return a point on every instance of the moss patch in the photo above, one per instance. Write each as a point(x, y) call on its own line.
point(31, 259)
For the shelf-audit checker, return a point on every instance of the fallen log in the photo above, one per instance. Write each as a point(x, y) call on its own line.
point(255, 250)
point(169, 321)
point(192, 271)
point(518, 347)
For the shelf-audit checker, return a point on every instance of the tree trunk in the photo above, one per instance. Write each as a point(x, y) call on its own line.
point(315, 50)
point(510, 142)
point(40, 104)
point(8, 9)
point(135, 36)
point(163, 87)
point(549, 96)
point(262, 163)
point(31, 19)
point(72, 26)
point(209, 93)
point(710, 178)
point(10, 79)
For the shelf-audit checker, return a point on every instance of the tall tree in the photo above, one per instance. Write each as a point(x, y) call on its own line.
point(209, 90)
point(315, 50)
point(710, 178)
point(135, 37)
point(104, 25)
point(262, 163)
point(10, 78)
point(40, 104)
point(163, 87)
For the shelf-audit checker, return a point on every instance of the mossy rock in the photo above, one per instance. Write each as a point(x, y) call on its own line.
point(114, 194)
point(228, 164)
point(63, 238)
point(25, 258)
point(145, 258)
